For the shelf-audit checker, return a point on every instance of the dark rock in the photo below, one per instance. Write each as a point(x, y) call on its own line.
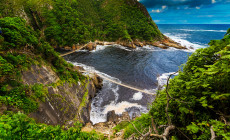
point(138, 43)
point(125, 116)
point(64, 101)
point(112, 117)
point(67, 48)
point(91, 46)
point(98, 81)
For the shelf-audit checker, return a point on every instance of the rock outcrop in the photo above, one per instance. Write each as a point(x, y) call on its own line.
point(91, 46)
point(106, 128)
point(65, 102)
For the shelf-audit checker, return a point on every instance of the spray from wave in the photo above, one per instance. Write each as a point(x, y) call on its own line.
point(188, 30)
point(101, 104)
point(180, 38)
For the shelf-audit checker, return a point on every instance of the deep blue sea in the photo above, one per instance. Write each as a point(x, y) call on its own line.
point(145, 68)
point(195, 35)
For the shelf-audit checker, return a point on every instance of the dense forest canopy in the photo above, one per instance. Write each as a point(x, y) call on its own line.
point(64, 22)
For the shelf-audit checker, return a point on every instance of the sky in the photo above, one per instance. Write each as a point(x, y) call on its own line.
point(189, 11)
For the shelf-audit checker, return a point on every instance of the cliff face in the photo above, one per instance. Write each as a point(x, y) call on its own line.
point(65, 102)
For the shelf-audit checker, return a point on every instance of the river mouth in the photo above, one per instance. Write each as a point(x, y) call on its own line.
point(138, 68)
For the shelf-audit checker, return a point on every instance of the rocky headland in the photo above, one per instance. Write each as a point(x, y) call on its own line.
point(164, 44)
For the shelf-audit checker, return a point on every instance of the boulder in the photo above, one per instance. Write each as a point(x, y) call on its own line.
point(138, 43)
point(91, 46)
point(158, 44)
point(128, 44)
point(98, 81)
point(125, 116)
point(78, 68)
point(112, 117)
point(78, 47)
point(74, 47)
point(67, 48)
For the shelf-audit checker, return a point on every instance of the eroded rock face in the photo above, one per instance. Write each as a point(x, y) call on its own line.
point(112, 117)
point(91, 46)
point(65, 103)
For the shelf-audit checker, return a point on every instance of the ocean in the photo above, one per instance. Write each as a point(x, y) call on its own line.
point(144, 68)
point(194, 35)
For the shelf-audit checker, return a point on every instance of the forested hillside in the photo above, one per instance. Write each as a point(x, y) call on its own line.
point(195, 104)
point(64, 23)
point(36, 82)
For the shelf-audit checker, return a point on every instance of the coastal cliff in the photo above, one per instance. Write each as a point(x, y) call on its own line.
point(65, 102)
point(67, 23)
point(36, 82)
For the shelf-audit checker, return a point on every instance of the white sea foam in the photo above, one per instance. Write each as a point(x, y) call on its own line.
point(123, 48)
point(98, 113)
point(100, 48)
point(162, 80)
point(137, 96)
point(188, 30)
point(180, 39)
point(121, 107)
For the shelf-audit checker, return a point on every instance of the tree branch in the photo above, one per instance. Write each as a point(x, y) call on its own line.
point(165, 134)
point(213, 135)
point(136, 128)
point(168, 99)
point(154, 126)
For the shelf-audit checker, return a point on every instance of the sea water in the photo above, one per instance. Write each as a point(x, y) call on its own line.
point(144, 68)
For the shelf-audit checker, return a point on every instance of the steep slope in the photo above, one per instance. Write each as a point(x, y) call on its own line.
point(64, 23)
point(195, 104)
point(36, 81)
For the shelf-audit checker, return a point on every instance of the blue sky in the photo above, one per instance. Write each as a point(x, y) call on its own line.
point(189, 11)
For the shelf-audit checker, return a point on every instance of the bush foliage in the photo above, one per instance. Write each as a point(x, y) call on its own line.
point(20, 126)
point(65, 22)
point(200, 96)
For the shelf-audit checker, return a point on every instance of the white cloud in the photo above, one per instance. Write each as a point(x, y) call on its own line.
point(159, 10)
point(164, 6)
point(156, 11)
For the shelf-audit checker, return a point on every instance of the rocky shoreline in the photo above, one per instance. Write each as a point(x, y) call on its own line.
point(112, 118)
point(105, 128)
point(164, 44)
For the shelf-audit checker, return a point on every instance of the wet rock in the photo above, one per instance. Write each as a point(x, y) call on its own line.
point(91, 46)
point(78, 47)
point(112, 117)
point(78, 68)
point(128, 44)
point(67, 48)
point(98, 81)
point(169, 42)
point(74, 47)
point(125, 116)
point(159, 44)
point(138, 43)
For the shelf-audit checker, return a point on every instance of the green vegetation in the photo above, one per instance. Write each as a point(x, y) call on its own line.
point(198, 98)
point(19, 50)
point(64, 22)
point(19, 126)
